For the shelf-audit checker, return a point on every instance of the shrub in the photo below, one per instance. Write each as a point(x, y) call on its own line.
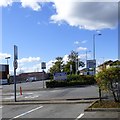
point(72, 80)
point(110, 79)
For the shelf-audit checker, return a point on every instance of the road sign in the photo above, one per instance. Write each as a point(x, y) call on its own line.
point(43, 65)
point(15, 64)
point(60, 76)
point(91, 63)
point(15, 52)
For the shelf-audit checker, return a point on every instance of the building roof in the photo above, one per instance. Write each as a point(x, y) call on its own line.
point(106, 63)
point(117, 62)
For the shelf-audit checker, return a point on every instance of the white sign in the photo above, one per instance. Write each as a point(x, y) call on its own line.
point(91, 63)
point(60, 76)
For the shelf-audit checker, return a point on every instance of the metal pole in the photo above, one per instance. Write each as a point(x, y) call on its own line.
point(43, 78)
point(94, 52)
point(76, 62)
point(93, 46)
point(7, 61)
point(15, 67)
point(15, 82)
point(95, 61)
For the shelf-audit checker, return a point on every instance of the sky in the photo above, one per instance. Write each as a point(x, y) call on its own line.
point(46, 29)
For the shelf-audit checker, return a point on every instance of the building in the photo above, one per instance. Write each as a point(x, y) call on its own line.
point(4, 74)
point(105, 65)
point(108, 64)
point(86, 71)
point(33, 75)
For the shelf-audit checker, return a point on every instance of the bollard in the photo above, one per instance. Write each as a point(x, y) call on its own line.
point(20, 90)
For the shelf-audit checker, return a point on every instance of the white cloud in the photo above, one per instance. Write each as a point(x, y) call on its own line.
point(65, 59)
point(34, 4)
point(76, 42)
point(86, 15)
point(81, 49)
point(29, 59)
point(4, 55)
point(84, 41)
point(6, 2)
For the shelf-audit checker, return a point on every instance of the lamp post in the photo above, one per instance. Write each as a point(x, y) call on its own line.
point(7, 59)
point(94, 35)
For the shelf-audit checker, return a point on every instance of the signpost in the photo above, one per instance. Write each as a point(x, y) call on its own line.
point(91, 63)
point(43, 66)
point(15, 64)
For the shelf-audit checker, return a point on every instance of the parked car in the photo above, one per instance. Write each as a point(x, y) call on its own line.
point(31, 79)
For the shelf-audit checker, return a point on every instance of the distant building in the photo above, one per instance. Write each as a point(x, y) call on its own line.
point(4, 74)
point(86, 71)
point(35, 76)
point(108, 64)
point(105, 65)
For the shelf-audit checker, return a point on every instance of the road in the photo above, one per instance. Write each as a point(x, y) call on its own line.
point(44, 111)
point(35, 91)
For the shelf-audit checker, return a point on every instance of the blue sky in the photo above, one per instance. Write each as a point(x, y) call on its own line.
point(44, 31)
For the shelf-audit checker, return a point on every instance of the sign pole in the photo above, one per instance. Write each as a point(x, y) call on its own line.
point(43, 78)
point(43, 66)
point(15, 67)
point(15, 83)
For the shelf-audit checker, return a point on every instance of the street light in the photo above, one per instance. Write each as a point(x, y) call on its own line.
point(94, 44)
point(7, 59)
point(94, 35)
point(95, 60)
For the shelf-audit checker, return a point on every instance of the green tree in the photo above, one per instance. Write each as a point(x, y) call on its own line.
point(74, 62)
point(109, 79)
point(58, 65)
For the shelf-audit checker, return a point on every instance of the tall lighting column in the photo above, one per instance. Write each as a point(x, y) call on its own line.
point(94, 36)
point(7, 59)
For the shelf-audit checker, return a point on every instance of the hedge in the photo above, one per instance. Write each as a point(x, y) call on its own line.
point(72, 80)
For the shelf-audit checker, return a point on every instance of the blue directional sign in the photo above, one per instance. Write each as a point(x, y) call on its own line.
point(60, 76)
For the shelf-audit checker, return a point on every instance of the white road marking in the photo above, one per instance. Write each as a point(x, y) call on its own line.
point(26, 112)
point(32, 96)
point(79, 116)
point(1, 107)
point(11, 97)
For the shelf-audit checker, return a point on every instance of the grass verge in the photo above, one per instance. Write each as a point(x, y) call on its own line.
point(105, 104)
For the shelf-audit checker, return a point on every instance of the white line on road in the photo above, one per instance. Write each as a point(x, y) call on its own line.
point(26, 112)
point(32, 96)
point(79, 116)
point(1, 107)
